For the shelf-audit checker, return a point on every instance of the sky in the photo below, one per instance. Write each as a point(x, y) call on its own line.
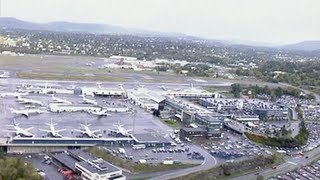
point(268, 21)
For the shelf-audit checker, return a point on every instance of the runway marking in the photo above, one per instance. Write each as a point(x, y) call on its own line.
point(292, 163)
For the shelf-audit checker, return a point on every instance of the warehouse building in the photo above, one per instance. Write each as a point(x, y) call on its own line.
point(87, 166)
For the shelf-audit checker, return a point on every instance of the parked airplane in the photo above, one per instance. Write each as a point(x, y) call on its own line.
point(87, 131)
point(88, 101)
point(19, 131)
point(46, 89)
point(99, 113)
point(121, 130)
point(28, 101)
point(4, 75)
point(52, 130)
point(59, 100)
point(14, 94)
point(163, 88)
point(26, 112)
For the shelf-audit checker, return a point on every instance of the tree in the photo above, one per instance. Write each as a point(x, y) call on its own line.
point(260, 177)
point(236, 90)
point(14, 168)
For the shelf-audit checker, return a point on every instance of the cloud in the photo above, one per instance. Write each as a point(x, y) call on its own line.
point(277, 21)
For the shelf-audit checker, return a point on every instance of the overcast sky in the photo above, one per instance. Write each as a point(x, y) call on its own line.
point(273, 21)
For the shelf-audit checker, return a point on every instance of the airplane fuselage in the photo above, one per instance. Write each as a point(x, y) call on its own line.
point(22, 132)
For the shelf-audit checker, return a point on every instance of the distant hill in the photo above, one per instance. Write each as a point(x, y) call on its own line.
point(303, 46)
point(13, 23)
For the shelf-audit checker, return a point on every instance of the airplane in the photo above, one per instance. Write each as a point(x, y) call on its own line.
point(19, 131)
point(163, 88)
point(59, 100)
point(14, 94)
point(88, 101)
point(4, 75)
point(99, 113)
point(28, 101)
point(121, 86)
point(46, 89)
point(87, 131)
point(26, 112)
point(52, 130)
point(121, 130)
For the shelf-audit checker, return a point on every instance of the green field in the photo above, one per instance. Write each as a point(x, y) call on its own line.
point(171, 123)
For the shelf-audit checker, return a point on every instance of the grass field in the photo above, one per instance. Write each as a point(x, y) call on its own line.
point(171, 123)
point(55, 76)
point(74, 68)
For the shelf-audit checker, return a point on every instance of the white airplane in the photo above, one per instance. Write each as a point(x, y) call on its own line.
point(14, 94)
point(46, 89)
point(22, 100)
point(87, 131)
point(88, 101)
point(121, 130)
point(26, 112)
point(59, 100)
point(163, 88)
point(52, 130)
point(19, 131)
point(121, 86)
point(4, 75)
point(99, 113)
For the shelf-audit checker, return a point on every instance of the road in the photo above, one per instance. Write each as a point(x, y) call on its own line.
point(208, 163)
point(290, 165)
point(294, 126)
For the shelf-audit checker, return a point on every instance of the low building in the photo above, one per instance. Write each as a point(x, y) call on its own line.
point(88, 166)
point(272, 114)
point(59, 107)
point(146, 99)
point(192, 132)
point(150, 140)
point(101, 91)
point(98, 169)
point(247, 118)
point(235, 126)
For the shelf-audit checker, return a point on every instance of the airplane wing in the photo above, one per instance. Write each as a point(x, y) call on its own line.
point(60, 130)
point(28, 129)
point(96, 131)
point(78, 130)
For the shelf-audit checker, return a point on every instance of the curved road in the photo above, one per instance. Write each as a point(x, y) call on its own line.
point(208, 163)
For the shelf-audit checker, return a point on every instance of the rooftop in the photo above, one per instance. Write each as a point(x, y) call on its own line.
point(193, 129)
point(148, 138)
point(66, 160)
point(80, 154)
point(98, 166)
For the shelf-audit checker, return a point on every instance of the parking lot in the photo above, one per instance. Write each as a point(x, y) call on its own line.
point(308, 172)
point(50, 170)
point(180, 154)
point(233, 147)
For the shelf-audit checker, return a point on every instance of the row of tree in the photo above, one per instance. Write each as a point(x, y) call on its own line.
point(15, 168)
point(274, 93)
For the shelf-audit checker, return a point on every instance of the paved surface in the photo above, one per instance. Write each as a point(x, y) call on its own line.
point(289, 165)
point(208, 163)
